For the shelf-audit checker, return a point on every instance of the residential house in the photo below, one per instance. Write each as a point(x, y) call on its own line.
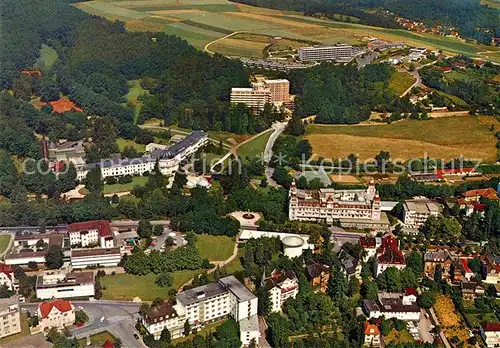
point(7, 276)
point(457, 272)
point(319, 275)
point(164, 316)
point(350, 264)
point(471, 290)
point(91, 233)
point(437, 259)
point(490, 332)
point(10, 316)
point(56, 313)
point(390, 305)
point(389, 255)
point(281, 286)
point(370, 245)
point(372, 335)
point(491, 269)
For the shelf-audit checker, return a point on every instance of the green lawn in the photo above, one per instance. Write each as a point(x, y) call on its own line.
point(255, 147)
point(98, 339)
point(135, 90)
point(401, 81)
point(453, 98)
point(127, 286)
point(48, 57)
point(137, 181)
point(4, 242)
point(122, 143)
point(214, 248)
point(479, 318)
point(235, 265)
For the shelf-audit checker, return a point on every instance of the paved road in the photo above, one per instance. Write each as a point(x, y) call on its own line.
point(268, 152)
point(120, 318)
point(367, 59)
point(424, 328)
point(418, 79)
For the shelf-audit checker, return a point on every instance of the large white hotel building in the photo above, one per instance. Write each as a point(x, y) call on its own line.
point(206, 304)
point(353, 208)
point(261, 93)
point(342, 53)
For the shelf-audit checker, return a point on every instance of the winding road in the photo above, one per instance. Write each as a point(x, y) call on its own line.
point(278, 127)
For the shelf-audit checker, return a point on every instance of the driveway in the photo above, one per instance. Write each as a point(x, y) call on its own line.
point(424, 329)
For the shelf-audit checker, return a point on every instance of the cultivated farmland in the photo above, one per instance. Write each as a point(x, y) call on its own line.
point(445, 138)
point(203, 21)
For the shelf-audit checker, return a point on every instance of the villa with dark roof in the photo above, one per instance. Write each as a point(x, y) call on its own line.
point(281, 285)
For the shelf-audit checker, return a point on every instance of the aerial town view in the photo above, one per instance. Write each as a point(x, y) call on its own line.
point(250, 173)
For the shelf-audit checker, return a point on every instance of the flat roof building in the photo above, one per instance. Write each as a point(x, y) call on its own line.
point(59, 284)
point(416, 212)
point(342, 53)
point(10, 316)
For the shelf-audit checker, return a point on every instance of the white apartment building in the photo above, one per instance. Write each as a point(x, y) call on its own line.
point(490, 332)
point(329, 204)
point(342, 53)
point(7, 276)
point(168, 159)
point(255, 97)
point(281, 286)
point(416, 212)
point(91, 233)
point(390, 305)
point(57, 313)
point(206, 304)
point(59, 284)
point(83, 258)
point(164, 316)
point(10, 316)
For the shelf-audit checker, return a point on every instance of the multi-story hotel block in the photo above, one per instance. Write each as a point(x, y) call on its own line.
point(327, 204)
point(59, 284)
point(416, 212)
point(343, 53)
point(168, 159)
point(91, 233)
point(10, 316)
point(205, 304)
point(102, 257)
point(281, 286)
point(268, 91)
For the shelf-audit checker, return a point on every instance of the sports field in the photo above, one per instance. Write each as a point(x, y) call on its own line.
point(203, 21)
point(444, 138)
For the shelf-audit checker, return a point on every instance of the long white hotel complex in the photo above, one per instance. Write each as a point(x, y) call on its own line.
point(262, 93)
point(353, 208)
point(168, 159)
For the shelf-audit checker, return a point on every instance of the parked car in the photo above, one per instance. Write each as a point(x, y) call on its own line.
point(136, 336)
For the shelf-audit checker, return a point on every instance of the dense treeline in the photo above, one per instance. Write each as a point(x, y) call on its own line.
point(464, 15)
point(343, 94)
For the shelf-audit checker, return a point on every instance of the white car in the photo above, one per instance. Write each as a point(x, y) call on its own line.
point(102, 319)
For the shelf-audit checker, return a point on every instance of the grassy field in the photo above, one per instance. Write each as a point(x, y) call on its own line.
point(445, 138)
point(400, 81)
point(48, 57)
point(122, 143)
point(254, 147)
point(235, 265)
point(98, 339)
point(115, 188)
point(135, 90)
point(453, 98)
point(203, 21)
point(4, 242)
point(214, 248)
point(127, 286)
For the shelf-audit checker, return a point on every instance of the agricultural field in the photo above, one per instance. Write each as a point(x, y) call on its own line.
point(445, 138)
point(400, 81)
point(201, 22)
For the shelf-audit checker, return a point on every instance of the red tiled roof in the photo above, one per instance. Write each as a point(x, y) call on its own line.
point(465, 265)
point(101, 225)
point(31, 72)
point(6, 269)
point(63, 105)
point(442, 172)
point(389, 252)
point(371, 329)
point(410, 291)
point(444, 68)
point(480, 207)
point(490, 193)
point(367, 242)
point(61, 305)
point(491, 327)
point(108, 344)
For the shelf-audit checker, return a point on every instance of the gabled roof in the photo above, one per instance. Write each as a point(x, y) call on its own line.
point(61, 305)
point(101, 225)
point(410, 291)
point(371, 329)
point(491, 327)
point(6, 269)
point(489, 193)
point(108, 344)
point(315, 269)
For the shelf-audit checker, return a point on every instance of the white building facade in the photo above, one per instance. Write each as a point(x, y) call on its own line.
point(319, 53)
point(83, 258)
point(59, 284)
point(57, 313)
point(416, 212)
point(281, 286)
point(10, 316)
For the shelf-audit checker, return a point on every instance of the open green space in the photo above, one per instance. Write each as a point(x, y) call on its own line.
point(445, 138)
point(458, 101)
point(135, 90)
point(48, 57)
point(400, 81)
point(203, 21)
point(255, 147)
point(125, 286)
point(116, 188)
point(396, 337)
point(4, 242)
point(235, 265)
point(476, 319)
point(122, 143)
point(203, 332)
point(214, 248)
point(98, 339)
